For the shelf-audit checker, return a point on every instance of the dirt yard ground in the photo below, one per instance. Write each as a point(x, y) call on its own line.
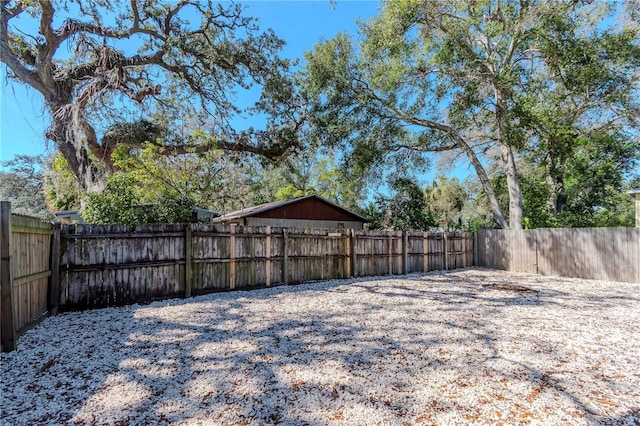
point(466, 347)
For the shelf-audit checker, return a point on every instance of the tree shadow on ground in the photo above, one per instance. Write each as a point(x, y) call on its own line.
point(314, 354)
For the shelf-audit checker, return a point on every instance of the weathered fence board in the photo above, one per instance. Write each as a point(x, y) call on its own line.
point(593, 253)
point(30, 257)
point(25, 272)
point(105, 265)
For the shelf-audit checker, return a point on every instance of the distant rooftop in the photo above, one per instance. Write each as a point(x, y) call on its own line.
point(261, 208)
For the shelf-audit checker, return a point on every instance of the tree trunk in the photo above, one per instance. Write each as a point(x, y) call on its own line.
point(555, 179)
point(461, 143)
point(486, 183)
point(509, 163)
point(80, 159)
point(513, 185)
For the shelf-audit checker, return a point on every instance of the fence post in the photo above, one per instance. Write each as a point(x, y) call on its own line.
point(267, 263)
point(285, 258)
point(391, 236)
point(188, 272)
point(54, 265)
point(232, 257)
point(475, 248)
point(405, 252)
point(347, 252)
point(425, 252)
point(352, 242)
point(6, 283)
point(446, 252)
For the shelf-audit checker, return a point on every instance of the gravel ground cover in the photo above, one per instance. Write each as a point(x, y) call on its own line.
point(471, 346)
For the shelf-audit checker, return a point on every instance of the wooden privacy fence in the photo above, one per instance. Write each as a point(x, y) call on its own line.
point(592, 253)
point(104, 265)
point(25, 244)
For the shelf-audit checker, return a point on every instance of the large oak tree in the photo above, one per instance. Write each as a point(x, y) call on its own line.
point(105, 68)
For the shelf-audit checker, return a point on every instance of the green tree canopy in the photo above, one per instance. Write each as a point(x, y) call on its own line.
point(491, 80)
point(405, 208)
point(101, 65)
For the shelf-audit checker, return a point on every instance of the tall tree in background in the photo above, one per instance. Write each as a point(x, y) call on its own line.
point(213, 180)
point(582, 111)
point(437, 76)
point(445, 201)
point(22, 184)
point(405, 208)
point(98, 64)
point(312, 172)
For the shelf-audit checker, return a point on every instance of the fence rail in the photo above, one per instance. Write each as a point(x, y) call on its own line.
point(593, 253)
point(104, 265)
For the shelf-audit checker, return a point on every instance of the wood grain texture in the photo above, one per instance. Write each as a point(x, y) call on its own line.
point(26, 270)
point(611, 254)
point(115, 265)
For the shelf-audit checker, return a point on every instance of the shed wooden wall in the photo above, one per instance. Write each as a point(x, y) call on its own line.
point(302, 223)
point(309, 209)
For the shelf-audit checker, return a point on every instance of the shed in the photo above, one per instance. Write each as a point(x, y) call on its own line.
point(311, 211)
point(69, 216)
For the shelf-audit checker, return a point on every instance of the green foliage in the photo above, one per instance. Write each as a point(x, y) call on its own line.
point(374, 215)
point(290, 191)
point(116, 204)
point(344, 114)
point(61, 187)
point(120, 203)
point(212, 180)
point(446, 199)
point(313, 172)
point(405, 209)
point(594, 180)
point(501, 83)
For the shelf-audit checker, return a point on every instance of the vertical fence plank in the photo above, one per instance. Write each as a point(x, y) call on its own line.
point(446, 251)
point(188, 271)
point(54, 279)
point(425, 252)
point(405, 252)
point(267, 265)
point(232, 257)
point(390, 254)
point(285, 257)
point(6, 283)
point(475, 248)
point(348, 249)
point(353, 260)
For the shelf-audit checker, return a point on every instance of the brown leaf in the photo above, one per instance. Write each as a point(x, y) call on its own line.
point(337, 416)
point(533, 395)
point(425, 418)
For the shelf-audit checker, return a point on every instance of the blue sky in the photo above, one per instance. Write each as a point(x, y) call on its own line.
point(300, 23)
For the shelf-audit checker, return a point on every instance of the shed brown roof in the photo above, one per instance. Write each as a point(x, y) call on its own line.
point(315, 207)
